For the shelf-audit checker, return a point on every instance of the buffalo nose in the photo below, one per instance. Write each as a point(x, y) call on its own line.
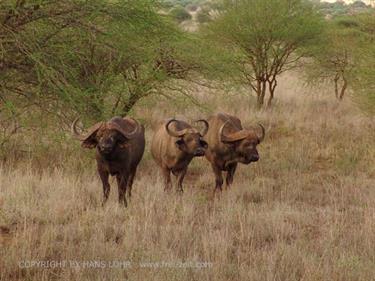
point(200, 151)
point(254, 158)
point(106, 147)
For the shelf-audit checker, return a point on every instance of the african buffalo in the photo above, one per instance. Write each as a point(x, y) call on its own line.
point(120, 144)
point(174, 145)
point(229, 144)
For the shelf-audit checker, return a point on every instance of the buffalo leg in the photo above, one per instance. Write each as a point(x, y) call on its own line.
point(130, 182)
point(230, 174)
point(167, 178)
point(121, 183)
point(180, 178)
point(104, 175)
point(218, 177)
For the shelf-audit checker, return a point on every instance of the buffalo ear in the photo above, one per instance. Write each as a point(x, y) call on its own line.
point(90, 143)
point(181, 144)
point(90, 140)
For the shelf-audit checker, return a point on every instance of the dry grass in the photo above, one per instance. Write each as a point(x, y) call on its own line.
point(305, 211)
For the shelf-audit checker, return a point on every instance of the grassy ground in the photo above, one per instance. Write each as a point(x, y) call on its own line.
point(305, 211)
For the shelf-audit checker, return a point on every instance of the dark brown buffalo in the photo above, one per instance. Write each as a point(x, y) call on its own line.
point(229, 144)
point(119, 144)
point(174, 145)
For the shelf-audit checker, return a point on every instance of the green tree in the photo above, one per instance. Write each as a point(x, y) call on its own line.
point(345, 55)
point(334, 57)
point(203, 15)
point(95, 58)
point(363, 84)
point(268, 37)
point(180, 14)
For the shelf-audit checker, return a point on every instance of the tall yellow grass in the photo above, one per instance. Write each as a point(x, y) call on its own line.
point(305, 211)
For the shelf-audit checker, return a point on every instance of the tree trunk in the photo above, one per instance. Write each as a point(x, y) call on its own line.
point(261, 92)
point(129, 104)
point(340, 91)
point(343, 88)
point(269, 102)
point(336, 81)
point(271, 88)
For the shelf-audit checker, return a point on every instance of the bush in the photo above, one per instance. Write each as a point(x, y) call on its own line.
point(203, 16)
point(93, 59)
point(192, 7)
point(180, 14)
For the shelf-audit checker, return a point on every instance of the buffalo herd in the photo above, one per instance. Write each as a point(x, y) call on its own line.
point(120, 144)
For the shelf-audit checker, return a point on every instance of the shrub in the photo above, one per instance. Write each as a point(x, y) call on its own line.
point(180, 14)
point(203, 16)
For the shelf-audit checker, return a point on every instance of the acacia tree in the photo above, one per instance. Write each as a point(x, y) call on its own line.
point(344, 56)
point(268, 37)
point(96, 58)
point(363, 83)
point(334, 58)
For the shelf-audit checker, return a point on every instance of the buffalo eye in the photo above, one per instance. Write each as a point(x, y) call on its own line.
point(122, 143)
point(120, 139)
point(180, 144)
point(203, 143)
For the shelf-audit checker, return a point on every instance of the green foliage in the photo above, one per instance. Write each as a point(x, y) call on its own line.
point(180, 14)
point(363, 85)
point(90, 58)
point(192, 7)
point(334, 59)
point(69, 54)
point(93, 59)
point(345, 56)
point(203, 16)
point(266, 36)
point(182, 3)
point(340, 8)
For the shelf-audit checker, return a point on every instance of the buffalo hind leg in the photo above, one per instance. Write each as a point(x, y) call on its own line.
point(104, 176)
point(180, 178)
point(167, 178)
point(230, 175)
point(122, 183)
point(218, 178)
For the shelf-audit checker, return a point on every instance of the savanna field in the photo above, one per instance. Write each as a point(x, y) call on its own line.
point(304, 211)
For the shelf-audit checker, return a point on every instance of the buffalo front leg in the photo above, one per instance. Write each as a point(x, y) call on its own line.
point(122, 183)
point(130, 182)
point(230, 175)
point(167, 178)
point(180, 178)
point(104, 176)
point(218, 178)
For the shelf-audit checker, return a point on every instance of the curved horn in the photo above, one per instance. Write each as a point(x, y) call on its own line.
point(137, 127)
point(239, 135)
point(221, 135)
point(261, 138)
point(74, 131)
point(205, 130)
point(122, 125)
point(87, 140)
point(174, 133)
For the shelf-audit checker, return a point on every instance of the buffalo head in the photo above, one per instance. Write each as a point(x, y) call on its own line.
point(107, 136)
point(243, 142)
point(190, 139)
